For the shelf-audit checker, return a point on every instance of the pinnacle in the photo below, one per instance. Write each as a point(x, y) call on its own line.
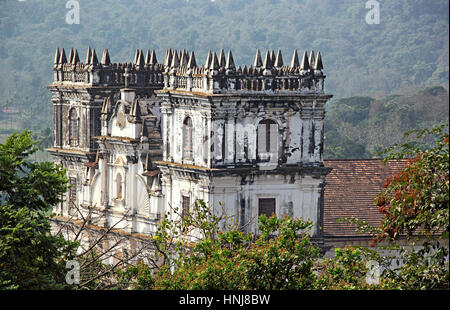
point(214, 63)
point(258, 61)
point(222, 58)
point(175, 60)
point(94, 60)
point(312, 59)
point(71, 55)
point(153, 60)
point(318, 65)
point(278, 60)
point(305, 64)
point(62, 57)
point(267, 61)
point(192, 63)
point(88, 55)
point(230, 61)
point(136, 55)
point(184, 58)
point(294, 62)
point(140, 59)
point(105, 58)
point(147, 57)
point(168, 59)
point(75, 59)
point(208, 59)
point(272, 57)
point(57, 56)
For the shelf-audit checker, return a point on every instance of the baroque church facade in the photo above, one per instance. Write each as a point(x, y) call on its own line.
point(142, 139)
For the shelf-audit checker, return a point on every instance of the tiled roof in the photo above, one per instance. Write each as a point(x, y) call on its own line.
point(350, 190)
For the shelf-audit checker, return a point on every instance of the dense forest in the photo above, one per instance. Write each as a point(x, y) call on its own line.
point(370, 68)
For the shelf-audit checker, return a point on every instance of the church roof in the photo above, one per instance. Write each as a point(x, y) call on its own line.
point(350, 191)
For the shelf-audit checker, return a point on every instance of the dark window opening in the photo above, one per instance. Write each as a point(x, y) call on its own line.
point(187, 138)
point(266, 206)
point(185, 204)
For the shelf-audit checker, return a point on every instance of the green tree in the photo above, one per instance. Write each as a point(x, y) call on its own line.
point(30, 256)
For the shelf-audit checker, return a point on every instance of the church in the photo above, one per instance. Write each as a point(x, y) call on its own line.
point(144, 139)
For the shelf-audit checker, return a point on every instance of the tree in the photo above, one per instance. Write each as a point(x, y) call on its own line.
point(206, 253)
point(415, 203)
point(416, 200)
point(30, 257)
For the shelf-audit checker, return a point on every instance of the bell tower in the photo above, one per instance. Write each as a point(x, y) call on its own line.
point(248, 138)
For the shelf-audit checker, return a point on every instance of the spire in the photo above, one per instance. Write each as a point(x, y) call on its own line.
point(267, 61)
point(294, 62)
point(318, 63)
point(62, 57)
point(214, 63)
point(153, 60)
point(229, 65)
point(70, 55)
point(75, 59)
point(105, 58)
point(94, 59)
point(244, 70)
point(208, 59)
point(184, 59)
point(147, 57)
point(175, 61)
point(258, 61)
point(168, 59)
point(88, 56)
point(57, 56)
point(192, 63)
point(136, 55)
point(222, 58)
point(278, 60)
point(140, 60)
point(312, 59)
point(272, 57)
point(305, 64)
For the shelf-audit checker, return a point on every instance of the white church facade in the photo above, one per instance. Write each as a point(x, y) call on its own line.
point(141, 139)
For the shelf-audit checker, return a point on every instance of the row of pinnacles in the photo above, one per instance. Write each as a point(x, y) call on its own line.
point(180, 71)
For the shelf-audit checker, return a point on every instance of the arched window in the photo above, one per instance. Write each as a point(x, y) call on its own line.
point(267, 140)
point(73, 127)
point(187, 138)
point(119, 187)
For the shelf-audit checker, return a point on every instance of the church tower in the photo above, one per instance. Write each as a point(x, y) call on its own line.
point(84, 97)
point(247, 138)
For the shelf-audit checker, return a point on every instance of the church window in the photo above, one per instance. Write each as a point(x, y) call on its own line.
point(119, 187)
point(266, 206)
point(187, 138)
point(267, 136)
point(185, 204)
point(73, 127)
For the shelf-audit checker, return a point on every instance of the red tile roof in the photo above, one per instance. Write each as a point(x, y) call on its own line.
point(350, 190)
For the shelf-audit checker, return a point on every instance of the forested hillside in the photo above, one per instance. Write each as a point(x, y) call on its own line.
point(408, 48)
point(361, 127)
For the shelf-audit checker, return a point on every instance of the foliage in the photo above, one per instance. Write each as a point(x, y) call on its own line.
point(361, 127)
point(30, 257)
point(416, 200)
